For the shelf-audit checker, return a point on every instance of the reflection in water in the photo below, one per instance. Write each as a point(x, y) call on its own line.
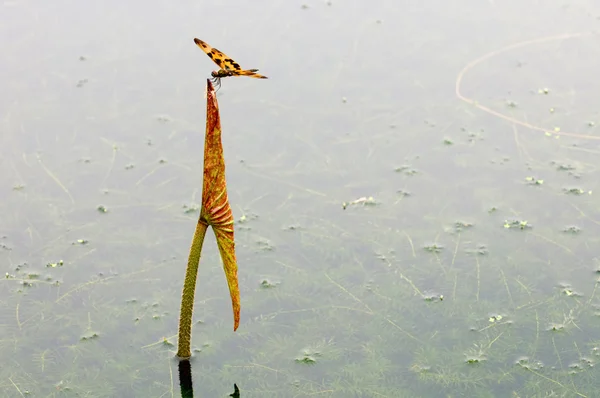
point(185, 381)
point(236, 391)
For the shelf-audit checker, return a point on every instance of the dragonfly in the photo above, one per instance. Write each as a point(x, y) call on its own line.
point(228, 67)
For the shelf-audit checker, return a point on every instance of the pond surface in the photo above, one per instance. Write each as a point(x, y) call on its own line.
point(415, 193)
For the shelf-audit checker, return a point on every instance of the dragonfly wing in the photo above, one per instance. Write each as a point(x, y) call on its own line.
point(250, 73)
point(221, 59)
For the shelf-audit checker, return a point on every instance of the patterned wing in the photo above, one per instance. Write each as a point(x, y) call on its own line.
point(250, 73)
point(222, 60)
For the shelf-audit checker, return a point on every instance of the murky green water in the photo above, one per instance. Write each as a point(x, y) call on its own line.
point(464, 265)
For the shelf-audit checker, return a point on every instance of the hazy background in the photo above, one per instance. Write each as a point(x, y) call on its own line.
point(470, 272)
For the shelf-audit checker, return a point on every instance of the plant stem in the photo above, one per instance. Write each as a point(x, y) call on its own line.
point(189, 288)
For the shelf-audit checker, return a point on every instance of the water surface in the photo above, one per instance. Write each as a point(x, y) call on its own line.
point(464, 263)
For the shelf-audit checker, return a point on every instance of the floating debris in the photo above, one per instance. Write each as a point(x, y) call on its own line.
point(461, 225)
point(191, 208)
point(308, 357)
point(59, 263)
point(163, 118)
point(572, 229)
point(534, 181)
point(495, 318)
point(520, 224)
point(433, 248)
point(432, 297)
point(267, 284)
point(370, 201)
point(406, 169)
point(574, 191)
point(475, 359)
point(90, 336)
point(529, 364)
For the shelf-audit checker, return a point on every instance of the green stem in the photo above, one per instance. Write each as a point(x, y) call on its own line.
point(189, 288)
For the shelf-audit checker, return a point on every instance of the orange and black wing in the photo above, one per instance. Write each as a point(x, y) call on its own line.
point(250, 73)
point(222, 60)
